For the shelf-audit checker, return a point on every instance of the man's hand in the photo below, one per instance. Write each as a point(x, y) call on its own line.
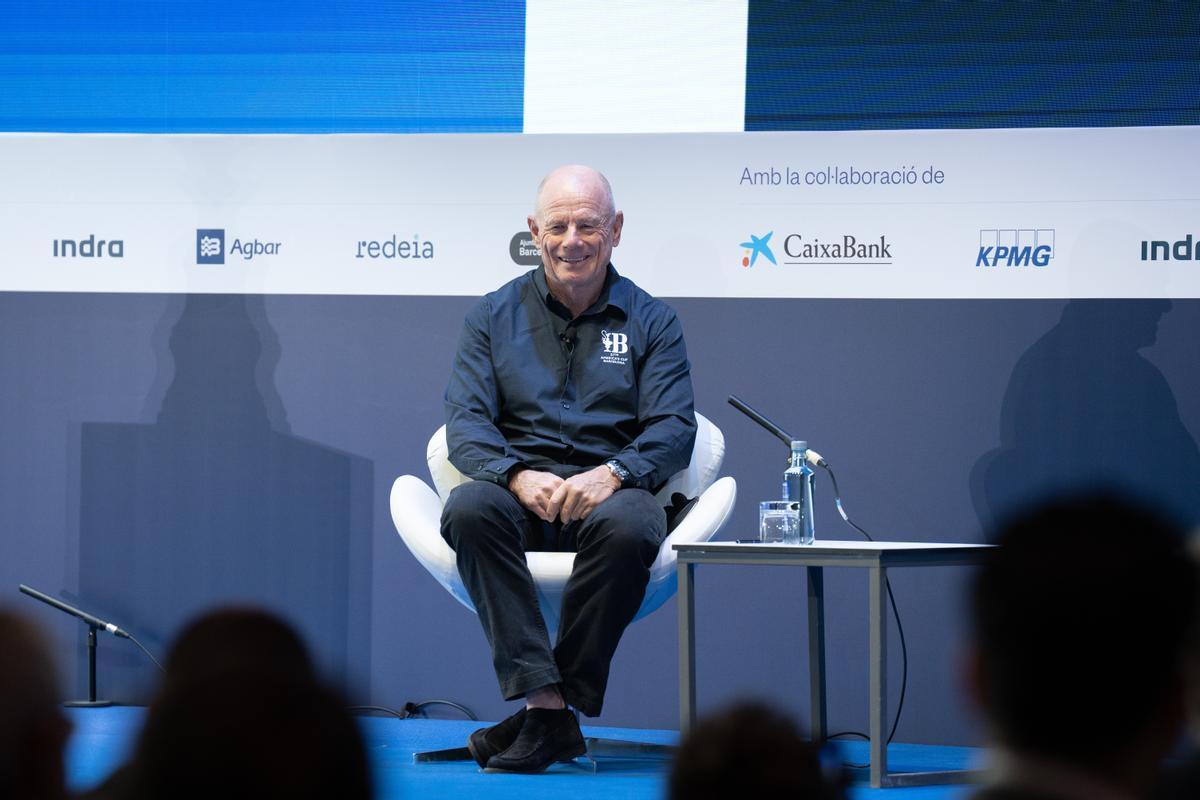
point(535, 489)
point(578, 495)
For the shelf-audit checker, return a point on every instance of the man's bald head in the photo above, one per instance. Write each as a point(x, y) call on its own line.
point(576, 226)
point(576, 179)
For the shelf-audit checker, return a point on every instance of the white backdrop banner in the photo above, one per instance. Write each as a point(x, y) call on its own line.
point(1043, 213)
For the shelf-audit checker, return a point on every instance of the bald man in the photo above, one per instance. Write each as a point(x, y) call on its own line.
point(569, 404)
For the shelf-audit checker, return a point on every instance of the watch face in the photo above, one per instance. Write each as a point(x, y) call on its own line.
point(618, 470)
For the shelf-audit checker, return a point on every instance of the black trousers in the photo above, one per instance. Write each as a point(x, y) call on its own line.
point(615, 546)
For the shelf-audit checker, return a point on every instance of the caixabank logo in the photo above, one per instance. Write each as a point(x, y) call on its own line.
point(757, 246)
point(1015, 247)
point(210, 247)
point(804, 250)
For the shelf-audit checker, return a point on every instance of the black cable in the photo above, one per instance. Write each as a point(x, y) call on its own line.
point(411, 710)
point(149, 655)
point(417, 708)
point(837, 498)
point(384, 709)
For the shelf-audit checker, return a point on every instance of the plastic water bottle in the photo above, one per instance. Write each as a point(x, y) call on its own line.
point(798, 483)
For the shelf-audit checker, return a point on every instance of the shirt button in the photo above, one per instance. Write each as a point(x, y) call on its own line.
point(566, 405)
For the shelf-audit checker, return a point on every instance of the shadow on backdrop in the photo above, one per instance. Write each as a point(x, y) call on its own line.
point(217, 502)
point(1085, 407)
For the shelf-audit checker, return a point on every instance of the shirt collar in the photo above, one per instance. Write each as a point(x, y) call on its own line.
point(614, 293)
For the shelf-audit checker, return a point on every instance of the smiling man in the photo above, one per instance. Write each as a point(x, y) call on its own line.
point(570, 402)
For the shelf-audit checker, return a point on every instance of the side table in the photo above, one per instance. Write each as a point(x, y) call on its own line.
point(876, 558)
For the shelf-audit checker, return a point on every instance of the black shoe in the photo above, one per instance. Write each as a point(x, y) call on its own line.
point(548, 735)
point(487, 742)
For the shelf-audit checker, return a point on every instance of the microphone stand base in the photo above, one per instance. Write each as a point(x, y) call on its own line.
point(87, 703)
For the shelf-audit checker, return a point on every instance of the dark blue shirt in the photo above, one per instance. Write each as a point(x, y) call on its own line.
point(533, 387)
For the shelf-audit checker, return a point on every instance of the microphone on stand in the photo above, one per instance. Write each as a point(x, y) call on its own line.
point(812, 456)
point(94, 622)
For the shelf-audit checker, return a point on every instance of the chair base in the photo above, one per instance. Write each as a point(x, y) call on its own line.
point(597, 748)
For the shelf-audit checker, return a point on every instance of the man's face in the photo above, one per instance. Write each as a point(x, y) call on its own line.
point(576, 230)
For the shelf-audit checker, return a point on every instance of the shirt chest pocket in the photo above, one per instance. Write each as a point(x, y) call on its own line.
point(606, 381)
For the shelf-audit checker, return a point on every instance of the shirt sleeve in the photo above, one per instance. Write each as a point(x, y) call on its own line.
point(665, 409)
point(477, 448)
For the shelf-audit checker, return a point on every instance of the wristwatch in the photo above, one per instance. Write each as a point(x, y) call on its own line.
point(619, 470)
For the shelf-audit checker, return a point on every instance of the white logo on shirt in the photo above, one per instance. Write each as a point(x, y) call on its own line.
point(616, 346)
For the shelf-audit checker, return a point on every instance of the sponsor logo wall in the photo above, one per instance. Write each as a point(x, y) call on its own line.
point(1046, 213)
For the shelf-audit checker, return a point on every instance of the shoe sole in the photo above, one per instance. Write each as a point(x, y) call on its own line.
point(482, 762)
point(563, 759)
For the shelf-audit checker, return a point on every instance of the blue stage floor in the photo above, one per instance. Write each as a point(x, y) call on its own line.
point(103, 736)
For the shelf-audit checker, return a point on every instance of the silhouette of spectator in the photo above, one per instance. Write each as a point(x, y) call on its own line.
point(1085, 407)
point(1081, 619)
point(1182, 780)
point(241, 714)
point(241, 641)
point(749, 750)
point(33, 730)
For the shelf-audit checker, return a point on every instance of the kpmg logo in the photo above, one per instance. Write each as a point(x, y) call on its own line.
point(616, 347)
point(524, 250)
point(210, 245)
point(1015, 247)
point(394, 248)
point(1182, 250)
point(757, 246)
point(91, 247)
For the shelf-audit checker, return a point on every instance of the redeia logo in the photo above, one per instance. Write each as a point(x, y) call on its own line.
point(755, 247)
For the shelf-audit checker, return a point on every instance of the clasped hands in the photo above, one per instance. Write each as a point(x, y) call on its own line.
point(570, 499)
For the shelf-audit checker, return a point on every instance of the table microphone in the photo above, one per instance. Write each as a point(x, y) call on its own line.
point(812, 456)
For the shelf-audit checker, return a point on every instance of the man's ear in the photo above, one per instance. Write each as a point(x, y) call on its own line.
point(618, 223)
point(533, 226)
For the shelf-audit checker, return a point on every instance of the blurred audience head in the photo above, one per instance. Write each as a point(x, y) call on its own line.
point(248, 642)
point(1081, 618)
point(748, 750)
point(242, 714)
point(33, 730)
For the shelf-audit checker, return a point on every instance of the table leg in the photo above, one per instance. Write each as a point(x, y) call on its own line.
point(877, 576)
point(687, 646)
point(816, 652)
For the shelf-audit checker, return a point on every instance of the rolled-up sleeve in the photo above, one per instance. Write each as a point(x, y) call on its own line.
point(477, 448)
point(665, 409)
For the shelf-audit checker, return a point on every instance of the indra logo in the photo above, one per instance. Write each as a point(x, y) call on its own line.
point(1015, 247)
point(524, 250)
point(757, 246)
point(1162, 250)
point(210, 247)
point(616, 347)
point(91, 247)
